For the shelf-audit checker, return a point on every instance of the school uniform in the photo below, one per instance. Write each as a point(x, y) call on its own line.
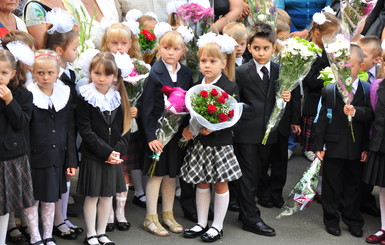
point(100, 124)
point(251, 154)
point(68, 77)
point(16, 186)
point(342, 169)
point(52, 141)
point(211, 158)
point(152, 106)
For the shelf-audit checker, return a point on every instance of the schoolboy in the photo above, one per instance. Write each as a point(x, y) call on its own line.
point(256, 80)
point(237, 31)
point(343, 157)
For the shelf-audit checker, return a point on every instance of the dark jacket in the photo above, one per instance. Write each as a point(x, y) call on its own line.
point(152, 100)
point(375, 22)
point(292, 113)
point(258, 104)
point(377, 142)
point(225, 136)
point(337, 135)
point(14, 119)
point(100, 136)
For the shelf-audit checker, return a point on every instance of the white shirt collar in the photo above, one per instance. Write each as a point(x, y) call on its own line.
point(259, 67)
point(373, 71)
point(66, 70)
point(173, 75)
point(213, 82)
point(59, 97)
point(355, 84)
point(105, 102)
point(238, 61)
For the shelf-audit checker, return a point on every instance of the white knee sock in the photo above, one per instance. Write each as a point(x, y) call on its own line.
point(89, 209)
point(168, 193)
point(59, 218)
point(32, 217)
point(104, 205)
point(137, 180)
point(3, 227)
point(152, 193)
point(202, 199)
point(382, 207)
point(47, 217)
point(221, 202)
point(121, 199)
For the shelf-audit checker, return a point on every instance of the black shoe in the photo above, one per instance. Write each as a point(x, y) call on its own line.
point(105, 243)
point(209, 238)
point(191, 216)
point(356, 231)
point(136, 200)
point(123, 226)
point(371, 210)
point(278, 201)
point(77, 229)
point(37, 243)
point(188, 233)
point(333, 230)
point(110, 227)
point(265, 202)
point(233, 206)
point(260, 228)
point(18, 239)
point(46, 241)
point(86, 240)
point(68, 235)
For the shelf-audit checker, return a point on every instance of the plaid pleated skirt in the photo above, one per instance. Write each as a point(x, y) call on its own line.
point(210, 164)
point(16, 190)
point(131, 160)
point(307, 135)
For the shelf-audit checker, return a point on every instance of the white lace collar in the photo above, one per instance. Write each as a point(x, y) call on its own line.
point(59, 97)
point(105, 102)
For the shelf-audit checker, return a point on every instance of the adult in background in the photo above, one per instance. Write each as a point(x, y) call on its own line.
point(9, 21)
point(375, 22)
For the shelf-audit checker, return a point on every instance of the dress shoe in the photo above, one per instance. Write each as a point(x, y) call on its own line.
point(110, 227)
point(123, 226)
point(333, 230)
point(188, 233)
point(105, 243)
point(212, 238)
point(371, 210)
point(233, 206)
point(376, 237)
point(136, 200)
point(278, 201)
point(41, 242)
point(46, 241)
point(265, 202)
point(18, 239)
point(260, 228)
point(356, 231)
point(68, 235)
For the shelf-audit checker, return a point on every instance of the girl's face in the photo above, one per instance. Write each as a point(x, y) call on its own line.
point(211, 67)
point(71, 51)
point(171, 54)
point(6, 72)
point(45, 73)
point(122, 46)
point(101, 80)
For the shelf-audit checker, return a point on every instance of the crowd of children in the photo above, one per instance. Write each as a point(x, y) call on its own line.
point(45, 111)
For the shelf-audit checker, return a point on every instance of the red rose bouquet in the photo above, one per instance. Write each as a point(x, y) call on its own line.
point(147, 42)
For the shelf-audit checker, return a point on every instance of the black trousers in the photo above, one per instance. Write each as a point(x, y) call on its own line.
point(250, 158)
point(272, 185)
point(341, 192)
point(187, 198)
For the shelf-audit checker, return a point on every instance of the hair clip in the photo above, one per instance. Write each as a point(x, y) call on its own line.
point(134, 14)
point(133, 26)
point(329, 10)
point(319, 18)
point(22, 52)
point(124, 63)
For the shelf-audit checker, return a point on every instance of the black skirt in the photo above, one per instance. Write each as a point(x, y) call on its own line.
point(375, 169)
point(99, 179)
point(16, 185)
point(48, 183)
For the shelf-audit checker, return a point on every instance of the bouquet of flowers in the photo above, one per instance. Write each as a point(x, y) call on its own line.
point(304, 191)
point(199, 17)
point(134, 84)
point(147, 42)
point(212, 108)
point(169, 123)
point(264, 11)
point(296, 58)
point(337, 48)
point(327, 76)
point(354, 11)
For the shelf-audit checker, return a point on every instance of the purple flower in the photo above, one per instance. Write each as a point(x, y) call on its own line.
point(273, 10)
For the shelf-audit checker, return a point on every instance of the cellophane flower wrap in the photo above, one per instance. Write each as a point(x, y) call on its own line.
point(264, 11)
point(355, 11)
point(303, 192)
point(134, 84)
point(296, 58)
point(337, 48)
point(199, 17)
point(212, 108)
point(170, 121)
point(147, 42)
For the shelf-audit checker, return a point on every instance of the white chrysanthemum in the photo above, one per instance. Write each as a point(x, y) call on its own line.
point(124, 63)
point(84, 61)
point(161, 28)
point(261, 17)
point(60, 19)
point(203, 3)
point(172, 7)
point(22, 52)
point(186, 32)
point(348, 81)
point(134, 14)
point(133, 26)
point(226, 43)
point(319, 18)
point(329, 10)
point(209, 37)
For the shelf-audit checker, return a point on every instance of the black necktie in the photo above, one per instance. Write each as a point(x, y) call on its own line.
point(265, 77)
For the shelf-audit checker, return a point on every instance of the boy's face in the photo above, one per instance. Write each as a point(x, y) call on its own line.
point(261, 49)
point(370, 59)
point(281, 37)
point(240, 48)
point(357, 66)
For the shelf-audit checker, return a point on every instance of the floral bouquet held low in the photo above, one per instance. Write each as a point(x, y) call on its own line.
point(169, 123)
point(296, 58)
point(337, 48)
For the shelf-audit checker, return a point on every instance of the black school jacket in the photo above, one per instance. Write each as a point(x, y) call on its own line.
point(14, 121)
point(377, 142)
point(259, 105)
point(152, 100)
point(337, 135)
point(225, 136)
